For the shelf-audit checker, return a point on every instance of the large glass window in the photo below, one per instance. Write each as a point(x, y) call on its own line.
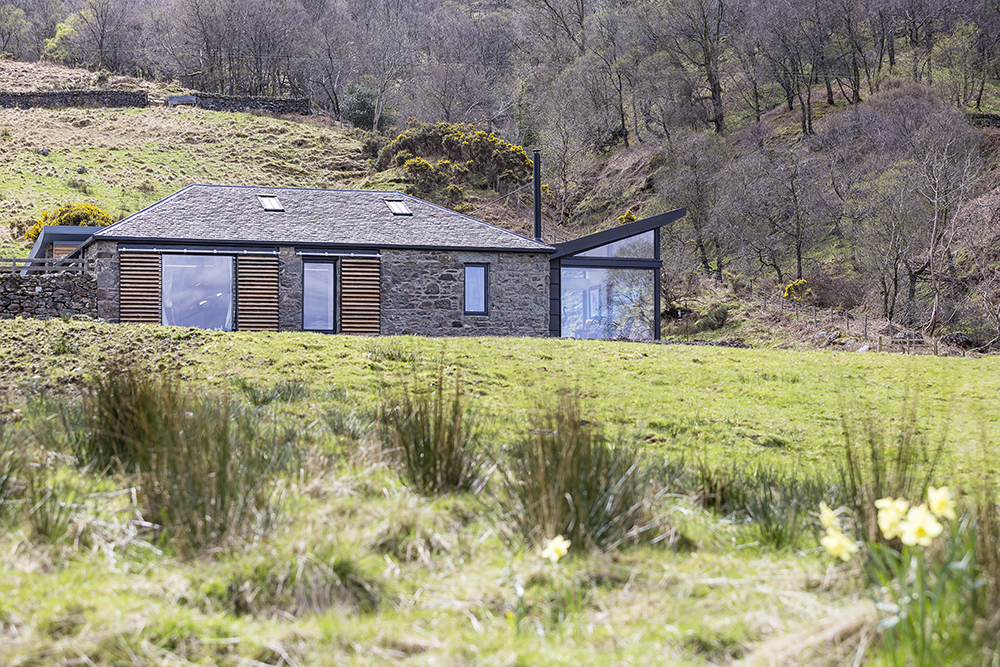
point(198, 291)
point(476, 289)
point(319, 296)
point(607, 303)
point(639, 246)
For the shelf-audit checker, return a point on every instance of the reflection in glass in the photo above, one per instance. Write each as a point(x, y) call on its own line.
point(639, 246)
point(198, 291)
point(475, 288)
point(318, 296)
point(607, 303)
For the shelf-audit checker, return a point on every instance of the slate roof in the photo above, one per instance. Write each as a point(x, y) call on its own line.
point(226, 214)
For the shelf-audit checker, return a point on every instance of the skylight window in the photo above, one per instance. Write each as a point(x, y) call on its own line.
point(270, 203)
point(398, 207)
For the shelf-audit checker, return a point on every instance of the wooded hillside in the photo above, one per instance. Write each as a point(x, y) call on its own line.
point(825, 141)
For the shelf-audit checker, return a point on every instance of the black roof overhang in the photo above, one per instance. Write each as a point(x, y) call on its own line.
point(592, 241)
point(209, 244)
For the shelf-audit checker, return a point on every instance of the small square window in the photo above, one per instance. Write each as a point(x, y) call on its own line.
point(270, 203)
point(476, 289)
point(398, 207)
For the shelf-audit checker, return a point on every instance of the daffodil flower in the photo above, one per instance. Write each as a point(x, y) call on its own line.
point(919, 527)
point(891, 512)
point(838, 545)
point(556, 548)
point(828, 517)
point(941, 503)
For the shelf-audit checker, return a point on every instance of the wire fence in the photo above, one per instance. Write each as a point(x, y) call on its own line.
point(846, 328)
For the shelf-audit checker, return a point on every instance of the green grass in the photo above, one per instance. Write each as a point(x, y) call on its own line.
point(359, 569)
point(136, 157)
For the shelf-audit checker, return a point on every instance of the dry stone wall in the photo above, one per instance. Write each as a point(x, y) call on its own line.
point(423, 294)
point(75, 98)
point(269, 104)
point(48, 295)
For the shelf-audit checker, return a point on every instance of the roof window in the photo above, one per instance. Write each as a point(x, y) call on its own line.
point(270, 203)
point(398, 207)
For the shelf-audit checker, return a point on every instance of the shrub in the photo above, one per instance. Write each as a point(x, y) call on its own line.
point(70, 215)
point(467, 149)
point(564, 477)
point(433, 437)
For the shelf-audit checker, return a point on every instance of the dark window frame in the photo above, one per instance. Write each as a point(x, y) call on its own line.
point(335, 263)
point(485, 312)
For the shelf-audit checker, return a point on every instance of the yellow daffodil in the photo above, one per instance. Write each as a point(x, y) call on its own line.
point(891, 512)
point(919, 527)
point(941, 503)
point(556, 548)
point(838, 545)
point(828, 517)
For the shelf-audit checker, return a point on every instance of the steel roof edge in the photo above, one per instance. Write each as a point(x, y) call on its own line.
point(607, 236)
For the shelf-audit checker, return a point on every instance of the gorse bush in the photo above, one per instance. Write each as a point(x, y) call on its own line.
point(433, 436)
point(70, 215)
point(565, 477)
point(467, 150)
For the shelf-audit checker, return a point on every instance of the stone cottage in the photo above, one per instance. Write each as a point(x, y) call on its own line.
point(365, 262)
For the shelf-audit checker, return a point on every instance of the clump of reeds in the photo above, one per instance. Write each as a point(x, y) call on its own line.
point(878, 464)
point(206, 467)
point(433, 436)
point(565, 477)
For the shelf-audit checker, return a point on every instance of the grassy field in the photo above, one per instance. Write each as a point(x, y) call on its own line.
point(355, 567)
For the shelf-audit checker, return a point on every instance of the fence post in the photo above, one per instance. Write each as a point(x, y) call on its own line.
point(907, 343)
point(879, 347)
point(866, 327)
point(935, 347)
point(847, 322)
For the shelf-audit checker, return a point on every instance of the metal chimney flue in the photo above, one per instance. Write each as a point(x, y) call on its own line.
point(536, 162)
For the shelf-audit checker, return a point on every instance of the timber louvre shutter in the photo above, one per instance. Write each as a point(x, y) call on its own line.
point(360, 296)
point(257, 293)
point(139, 289)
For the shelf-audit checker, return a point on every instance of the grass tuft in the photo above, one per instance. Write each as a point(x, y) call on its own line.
point(433, 437)
point(566, 478)
point(288, 391)
point(878, 464)
point(207, 468)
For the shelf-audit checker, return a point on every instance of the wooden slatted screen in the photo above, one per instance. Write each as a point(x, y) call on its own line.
point(257, 293)
point(61, 250)
point(139, 286)
point(360, 295)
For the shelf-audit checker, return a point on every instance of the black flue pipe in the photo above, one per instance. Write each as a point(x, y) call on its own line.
point(537, 167)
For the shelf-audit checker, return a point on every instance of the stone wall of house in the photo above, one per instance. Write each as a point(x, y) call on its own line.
point(75, 98)
point(423, 294)
point(47, 295)
point(289, 290)
point(105, 269)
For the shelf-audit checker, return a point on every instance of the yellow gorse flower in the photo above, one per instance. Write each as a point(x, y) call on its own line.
point(556, 548)
point(838, 545)
point(891, 512)
point(941, 503)
point(919, 527)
